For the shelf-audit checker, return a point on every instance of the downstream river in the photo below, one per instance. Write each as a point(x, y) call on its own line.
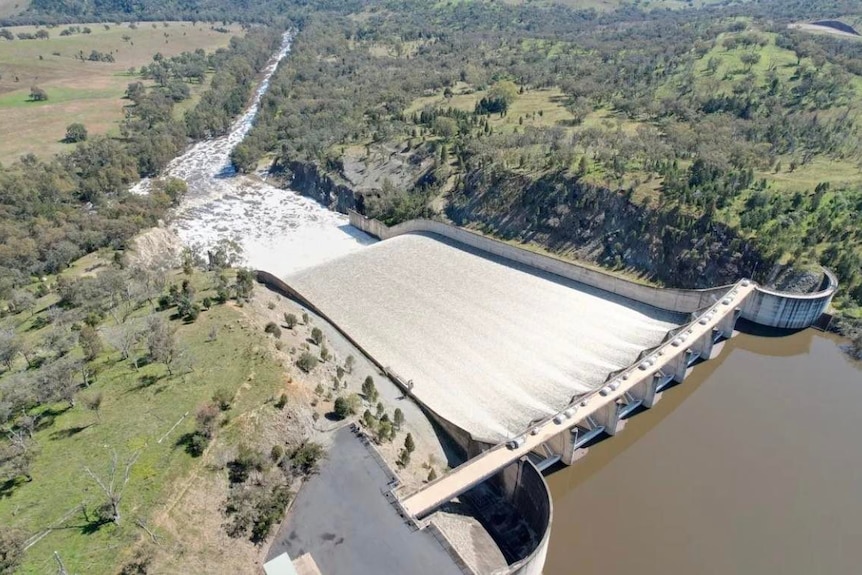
point(280, 231)
point(752, 466)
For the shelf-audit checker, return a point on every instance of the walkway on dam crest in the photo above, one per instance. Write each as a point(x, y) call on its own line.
point(661, 361)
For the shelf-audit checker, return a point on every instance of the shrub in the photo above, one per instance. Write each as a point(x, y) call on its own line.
point(306, 362)
point(305, 318)
point(432, 475)
point(246, 461)
point(273, 328)
point(307, 457)
point(317, 335)
point(223, 398)
point(290, 320)
point(409, 444)
point(281, 402)
point(276, 453)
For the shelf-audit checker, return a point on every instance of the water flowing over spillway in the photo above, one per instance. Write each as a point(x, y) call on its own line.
point(280, 231)
point(490, 345)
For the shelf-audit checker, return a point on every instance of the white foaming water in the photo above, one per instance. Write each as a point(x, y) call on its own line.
point(280, 231)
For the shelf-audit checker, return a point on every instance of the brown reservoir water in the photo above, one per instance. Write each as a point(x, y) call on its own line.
point(752, 466)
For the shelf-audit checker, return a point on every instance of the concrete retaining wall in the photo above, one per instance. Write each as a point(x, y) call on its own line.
point(765, 307)
point(525, 489)
point(790, 311)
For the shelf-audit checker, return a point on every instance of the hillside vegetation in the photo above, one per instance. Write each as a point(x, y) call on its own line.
point(691, 147)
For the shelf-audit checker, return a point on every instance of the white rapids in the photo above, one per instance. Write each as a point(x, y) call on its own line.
point(279, 230)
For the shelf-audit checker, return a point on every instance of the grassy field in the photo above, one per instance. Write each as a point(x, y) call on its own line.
point(87, 92)
point(138, 414)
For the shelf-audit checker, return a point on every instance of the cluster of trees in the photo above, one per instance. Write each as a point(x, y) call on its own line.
point(695, 129)
point(52, 211)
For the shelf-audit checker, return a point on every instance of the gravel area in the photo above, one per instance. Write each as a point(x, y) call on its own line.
point(489, 345)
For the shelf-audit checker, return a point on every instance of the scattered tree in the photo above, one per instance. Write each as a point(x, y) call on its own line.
point(306, 362)
point(37, 94)
point(94, 403)
point(114, 484)
point(76, 132)
point(369, 390)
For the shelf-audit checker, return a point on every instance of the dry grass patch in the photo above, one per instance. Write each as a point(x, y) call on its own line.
point(81, 91)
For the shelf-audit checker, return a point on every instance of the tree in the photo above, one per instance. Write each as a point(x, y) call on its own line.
point(90, 342)
point(749, 59)
point(10, 347)
point(124, 338)
point(22, 300)
point(398, 418)
point(306, 362)
point(505, 91)
point(289, 320)
point(342, 407)
point(17, 455)
point(349, 363)
point(409, 444)
point(162, 343)
point(114, 484)
point(37, 94)
point(94, 404)
point(11, 549)
point(76, 132)
point(368, 389)
point(244, 284)
point(317, 335)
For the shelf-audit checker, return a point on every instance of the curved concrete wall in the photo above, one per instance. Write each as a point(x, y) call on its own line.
point(524, 487)
point(787, 310)
point(765, 307)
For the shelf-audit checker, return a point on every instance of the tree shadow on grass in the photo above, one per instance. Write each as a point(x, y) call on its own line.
point(8, 487)
point(146, 381)
point(69, 432)
point(193, 443)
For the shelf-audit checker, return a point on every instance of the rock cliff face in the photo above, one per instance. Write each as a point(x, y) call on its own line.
point(571, 218)
point(604, 226)
point(310, 181)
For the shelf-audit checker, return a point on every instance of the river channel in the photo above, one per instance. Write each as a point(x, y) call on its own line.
point(752, 466)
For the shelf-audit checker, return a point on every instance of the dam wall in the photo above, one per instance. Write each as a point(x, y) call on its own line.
point(523, 486)
point(790, 311)
point(765, 306)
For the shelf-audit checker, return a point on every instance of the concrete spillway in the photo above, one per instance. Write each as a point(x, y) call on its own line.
point(489, 345)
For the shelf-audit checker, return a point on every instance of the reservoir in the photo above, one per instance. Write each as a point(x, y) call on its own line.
point(753, 465)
